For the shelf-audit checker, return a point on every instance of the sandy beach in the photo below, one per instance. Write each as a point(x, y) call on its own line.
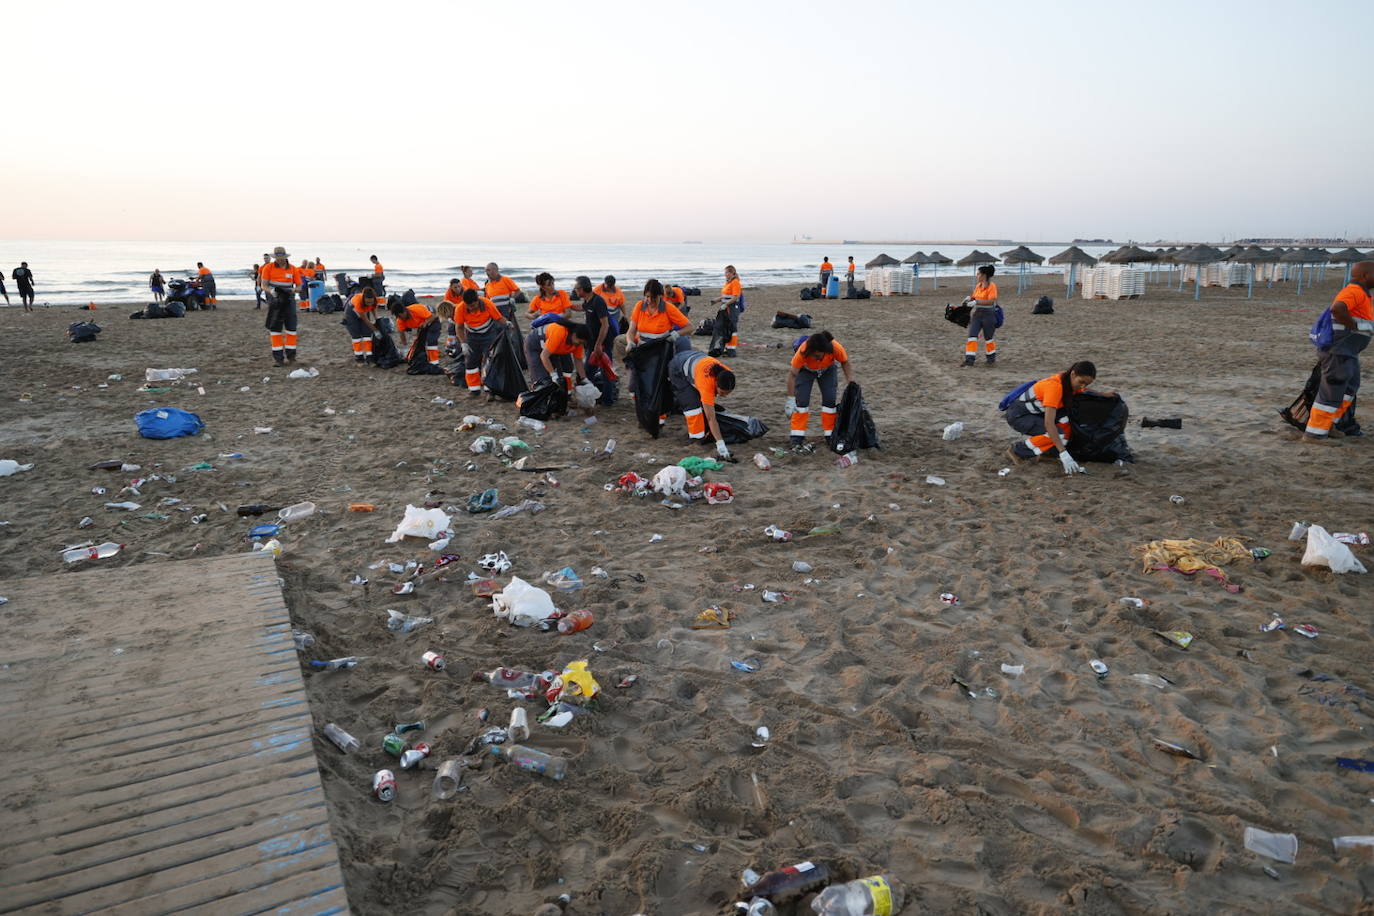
point(1042, 794)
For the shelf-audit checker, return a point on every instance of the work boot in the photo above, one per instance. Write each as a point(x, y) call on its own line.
point(1319, 440)
point(290, 356)
point(992, 359)
point(969, 361)
point(1019, 457)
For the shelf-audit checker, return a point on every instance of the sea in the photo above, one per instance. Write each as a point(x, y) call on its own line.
point(113, 273)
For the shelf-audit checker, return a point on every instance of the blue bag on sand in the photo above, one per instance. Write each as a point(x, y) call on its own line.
point(1015, 393)
point(167, 423)
point(1321, 332)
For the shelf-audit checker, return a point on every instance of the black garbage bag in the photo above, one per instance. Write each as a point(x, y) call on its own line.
point(853, 424)
point(174, 309)
point(544, 401)
point(82, 331)
point(959, 314)
point(654, 395)
point(706, 328)
point(384, 350)
point(408, 298)
point(1098, 423)
point(806, 294)
point(1043, 306)
point(417, 359)
point(504, 377)
point(788, 320)
point(1296, 414)
point(737, 428)
point(158, 310)
point(865, 294)
point(722, 329)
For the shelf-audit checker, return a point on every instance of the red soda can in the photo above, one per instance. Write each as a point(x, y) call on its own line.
point(433, 661)
point(949, 598)
point(384, 785)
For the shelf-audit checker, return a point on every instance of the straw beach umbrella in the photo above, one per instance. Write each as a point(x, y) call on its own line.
point(1250, 257)
point(975, 258)
point(1021, 256)
point(916, 259)
point(935, 259)
point(1347, 256)
point(1073, 256)
point(883, 260)
point(1199, 256)
point(1299, 257)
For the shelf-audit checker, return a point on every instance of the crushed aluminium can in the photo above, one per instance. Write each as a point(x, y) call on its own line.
point(384, 785)
point(1275, 624)
point(1306, 629)
point(433, 661)
point(394, 744)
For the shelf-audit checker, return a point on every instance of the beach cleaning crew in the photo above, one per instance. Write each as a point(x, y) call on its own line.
point(849, 272)
point(652, 318)
point(207, 284)
point(279, 280)
point(732, 296)
point(698, 381)
point(479, 324)
point(454, 297)
point(674, 296)
point(595, 313)
point(1040, 411)
point(307, 271)
point(814, 362)
point(422, 321)
point(557, 350)
point(261, 292)
point(466, 280)
point(983, 319)
point(826, 270)
point(378, 276)
point(360, 319)
point(501, 291)
point(615, 305)
point(4, 292)
point(1352, 324)
point(549, 300)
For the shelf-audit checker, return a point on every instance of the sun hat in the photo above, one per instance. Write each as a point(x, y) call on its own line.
point(279, 252)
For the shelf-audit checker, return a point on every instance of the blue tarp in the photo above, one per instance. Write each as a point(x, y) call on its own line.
point(167, 423)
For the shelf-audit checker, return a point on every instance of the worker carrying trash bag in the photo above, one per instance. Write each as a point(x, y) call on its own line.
point(1352, 324)
point(698, 380)
point(1040, 411)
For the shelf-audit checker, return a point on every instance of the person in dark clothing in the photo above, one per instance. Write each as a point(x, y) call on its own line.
point(23, 278)
point(4, 292)
point(598, 316)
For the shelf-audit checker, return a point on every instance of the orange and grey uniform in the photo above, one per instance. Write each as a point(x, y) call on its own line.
point(501, 292)
point(673, 295)
point(562, 346)
point(353, 320)
point(379, 280)
point(823, 371)
point(417, 318)
point(207, 283)
point(982, 320)
point(557, 304)
point(1026, 415)
point(826, 270)
point(733, 288)
point(307, 274)
point(693, 386)
point(280, 284)
point(482, 328)
point(615, 304)
point(1339, 364)
point(654, 325)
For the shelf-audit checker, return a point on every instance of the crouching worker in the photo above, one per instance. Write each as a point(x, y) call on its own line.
point(1041, 413)
point(359, 319)
point(1352, 323)
point(556, 350)
point(479, 324)
point(698, 380)
point(421, 320)
point(815, 362)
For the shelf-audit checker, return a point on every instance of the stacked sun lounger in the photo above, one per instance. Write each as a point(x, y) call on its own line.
point(1112, 281)
point(889, 281)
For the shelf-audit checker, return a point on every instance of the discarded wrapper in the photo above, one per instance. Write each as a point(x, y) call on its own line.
point(949, 598)
point(1275, 624)
point(714, 618)
point(1180, 638)
point(1306, 629)
point(1177, 750)
point(1099, 668)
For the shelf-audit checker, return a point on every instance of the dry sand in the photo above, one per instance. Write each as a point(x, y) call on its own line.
point(1046, 798)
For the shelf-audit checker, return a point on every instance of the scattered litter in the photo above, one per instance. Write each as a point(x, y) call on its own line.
point(1306, 629)
point(1013, 670)
point(935, 481)
point(1135, 602)
point(126, 506)
point(1325, 550)
point(1361, 539)
point(1180, 638)
point(1350, 842)
point(655, 538)
point(949, 598)
point(532, 506)
point(748, 665)
point(1354, 763)
point(718, 494)
point(312, 372)
point(1275, 624)
point(273, 547)
point(565, 579)
point(777, 534)
point(802, 566)
point(1282, 847)
point(1176, 499)
point(9, 466)
point(421, 523)
point(1299, 531)
point(1177, 750)
point(953, 431)
point(262, 430)
point(762, 736)
point(1004, 472)
point(628, 681)
point(775, 597)
point(1099, 668)
point(762, 462)
point(404, 623)
point(1259, 553)
point(522, 604)
point(495, 562)
point(1154, 680)
point(714, 617)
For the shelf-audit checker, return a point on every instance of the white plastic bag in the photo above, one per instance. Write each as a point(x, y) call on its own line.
point(312, 372)
point(953, 431)
point(1324, 550)
point(10, 466)
point(420, 523)
point(586, 394)
point(1282, 847)
point(522, 604)
point(671, 481)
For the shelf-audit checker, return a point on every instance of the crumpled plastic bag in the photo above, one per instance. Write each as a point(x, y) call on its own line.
point(420, 523)
point(312, 372)
point(671, 481)
point(1324, 550)
point(522, 604)
point(719, 494)
point(586, 394)
point(10, 466)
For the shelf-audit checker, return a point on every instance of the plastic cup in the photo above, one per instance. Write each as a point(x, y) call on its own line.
point(448, 779)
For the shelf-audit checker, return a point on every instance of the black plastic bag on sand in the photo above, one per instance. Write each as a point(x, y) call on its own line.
point(853, 425)
point(82, 331)
point(959, 314)
point(1296, 414)
point(417, 359)
point(504, 377)
point(737, 429)
point(722, 329)
point(706, 328)
point(1098, 423)
point(384, 351)
point(546, 400)
point(654, 395)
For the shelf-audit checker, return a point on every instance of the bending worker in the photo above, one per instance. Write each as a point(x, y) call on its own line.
point(421, 320)
point(279, 279)
point(359, 319)
point(1352, 324)
point(479, 325)
point(556, 350)
point(815, 362)
point(1040, 411)
point(983, 318)
point(698, 381)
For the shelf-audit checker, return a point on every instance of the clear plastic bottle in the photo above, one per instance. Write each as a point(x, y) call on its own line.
point(847, 461)
point(298, 511)
point(531, 423)
point(877, 895)
point(761, 460)
point(97, 552)
point(565, 579)
point(342, 739)
point(527, 758)
point(404, 623)
point(336, 664)
point(167, 375)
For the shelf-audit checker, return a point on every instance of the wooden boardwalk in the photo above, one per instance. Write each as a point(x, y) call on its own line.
point(157, 746)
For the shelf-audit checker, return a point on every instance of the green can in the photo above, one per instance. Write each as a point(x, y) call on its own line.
point(394, 744)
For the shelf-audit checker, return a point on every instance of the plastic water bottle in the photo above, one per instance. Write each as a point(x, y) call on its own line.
point(953, 431)
point(787, 885)
point(761, 460)
point(404, 623)
point(297, 511)
point(337, 664)
point(565, 580)
point(98, 552)
point(167, 375)
point(575, 621)
point(877, 895)
point(527, 758)
point(531, 423)
point(342, 739)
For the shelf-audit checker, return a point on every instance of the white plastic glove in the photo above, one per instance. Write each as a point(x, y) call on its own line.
point(467, 351)
point(722, 449)
point(1070, 466)
point(673, 334)
point(791, 407)
point(556, 375)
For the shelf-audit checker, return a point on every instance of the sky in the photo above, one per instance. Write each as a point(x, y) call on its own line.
point(745, 121)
